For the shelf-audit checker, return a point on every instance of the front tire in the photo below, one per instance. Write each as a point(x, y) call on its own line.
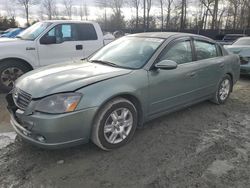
point(223, 91)
point(10, 70)
point(115, 124)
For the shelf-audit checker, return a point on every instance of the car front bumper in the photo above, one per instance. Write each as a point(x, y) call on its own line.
point(52, 131)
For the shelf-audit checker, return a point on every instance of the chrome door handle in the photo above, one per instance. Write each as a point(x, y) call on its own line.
point(222, 65)
point(192, 74)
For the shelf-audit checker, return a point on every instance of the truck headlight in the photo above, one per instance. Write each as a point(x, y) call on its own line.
point(59, 103)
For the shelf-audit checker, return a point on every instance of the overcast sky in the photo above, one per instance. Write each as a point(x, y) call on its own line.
point(94, 12)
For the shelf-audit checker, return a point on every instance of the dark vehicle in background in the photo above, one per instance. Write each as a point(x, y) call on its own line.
point(229, 39)
point(241, 47)
point(12, 33)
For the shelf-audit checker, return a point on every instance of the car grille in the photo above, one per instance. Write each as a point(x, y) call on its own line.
point(21, 98)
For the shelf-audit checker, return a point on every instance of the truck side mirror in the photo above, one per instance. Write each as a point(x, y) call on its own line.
point(48, 40)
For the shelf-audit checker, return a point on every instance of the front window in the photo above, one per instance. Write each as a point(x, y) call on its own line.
point(128, 52)
point(179, 53)
point(34, 31)
point(242, 42)
point(63, 33)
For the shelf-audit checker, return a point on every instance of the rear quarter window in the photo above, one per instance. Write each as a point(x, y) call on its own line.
point(86, 32)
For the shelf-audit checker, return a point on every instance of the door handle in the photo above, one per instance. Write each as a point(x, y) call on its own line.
point(79, 47)
point(192, 74)
point(222, 65)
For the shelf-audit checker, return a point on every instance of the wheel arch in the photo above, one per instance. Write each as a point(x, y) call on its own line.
point(232, 81)
point(130, 97)
point(27, 64)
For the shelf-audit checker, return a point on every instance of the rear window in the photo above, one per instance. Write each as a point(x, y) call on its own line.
point(205, 50)
point(86, 32)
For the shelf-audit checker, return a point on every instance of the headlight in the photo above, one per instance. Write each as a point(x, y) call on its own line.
point(59, 103)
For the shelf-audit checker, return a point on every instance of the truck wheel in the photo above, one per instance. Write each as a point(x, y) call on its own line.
point(10, 70)
point(115, 124)
point(223, 91)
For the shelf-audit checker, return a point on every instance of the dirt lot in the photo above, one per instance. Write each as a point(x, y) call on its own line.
point(202, 146)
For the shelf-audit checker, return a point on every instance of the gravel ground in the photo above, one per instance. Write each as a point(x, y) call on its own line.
point(203, 146)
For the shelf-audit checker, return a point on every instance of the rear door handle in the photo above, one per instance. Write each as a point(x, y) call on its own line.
point(222, 65)
point(79, 47)
point(192, 74)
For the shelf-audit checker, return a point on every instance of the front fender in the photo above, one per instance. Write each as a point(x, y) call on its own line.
point(134, 84)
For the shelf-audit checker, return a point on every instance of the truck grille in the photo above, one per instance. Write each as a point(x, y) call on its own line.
point(21, 98)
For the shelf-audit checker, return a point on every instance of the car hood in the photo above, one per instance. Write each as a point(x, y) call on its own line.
point(65, 77)
point(243, 51)
point(9, 42)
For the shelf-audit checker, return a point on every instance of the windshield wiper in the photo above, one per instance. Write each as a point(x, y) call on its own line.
point(104, 63)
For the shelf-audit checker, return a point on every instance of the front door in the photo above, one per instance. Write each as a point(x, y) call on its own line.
point(171, 88)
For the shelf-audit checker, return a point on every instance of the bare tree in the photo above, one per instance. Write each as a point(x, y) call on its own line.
point(68, 4)
point(162, 14)
point(169, 4)
point(104, 4)
point(136, 5)
point(215, 14)
point(26, 5)
point(183, 14)
point(208, 11)
point(149, 5)
point(10, 9)
point(235, 4)
point(144, 15)
point(49, 7)
point(86, 11)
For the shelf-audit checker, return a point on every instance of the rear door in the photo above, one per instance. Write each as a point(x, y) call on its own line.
point(209, 57)
point(67, 47)
point(91, 41)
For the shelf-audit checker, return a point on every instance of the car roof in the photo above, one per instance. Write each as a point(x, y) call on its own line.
point(243, 38)
point(235, 35)
point(165, 35)
point(67, 21)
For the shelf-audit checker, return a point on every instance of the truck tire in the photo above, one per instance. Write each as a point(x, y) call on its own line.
point(10, 70)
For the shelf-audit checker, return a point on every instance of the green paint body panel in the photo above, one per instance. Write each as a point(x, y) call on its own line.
point(158, 91)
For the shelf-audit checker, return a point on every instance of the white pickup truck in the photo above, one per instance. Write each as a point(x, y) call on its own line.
point(46, 43)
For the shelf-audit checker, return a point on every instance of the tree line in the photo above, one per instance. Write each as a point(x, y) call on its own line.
point(171, 14)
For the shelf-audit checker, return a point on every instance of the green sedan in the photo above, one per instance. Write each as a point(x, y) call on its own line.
point(123, 85)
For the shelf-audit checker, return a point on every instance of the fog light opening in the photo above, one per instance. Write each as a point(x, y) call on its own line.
point(40, 138)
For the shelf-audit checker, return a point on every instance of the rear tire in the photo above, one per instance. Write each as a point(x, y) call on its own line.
point(223, 91)
point(115, 124)
point(10, 70)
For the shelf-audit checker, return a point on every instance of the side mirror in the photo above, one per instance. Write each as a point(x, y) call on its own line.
point(48, 40)
point(166, 65)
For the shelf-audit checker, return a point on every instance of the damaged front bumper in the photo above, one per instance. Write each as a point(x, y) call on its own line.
point(51, 131)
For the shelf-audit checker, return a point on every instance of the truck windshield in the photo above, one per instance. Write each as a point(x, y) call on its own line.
point(34, 31)
point(127, 52)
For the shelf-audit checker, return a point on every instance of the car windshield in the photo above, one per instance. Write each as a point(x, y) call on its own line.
point(34, 31)
point(242, 41)
point(127, 52)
